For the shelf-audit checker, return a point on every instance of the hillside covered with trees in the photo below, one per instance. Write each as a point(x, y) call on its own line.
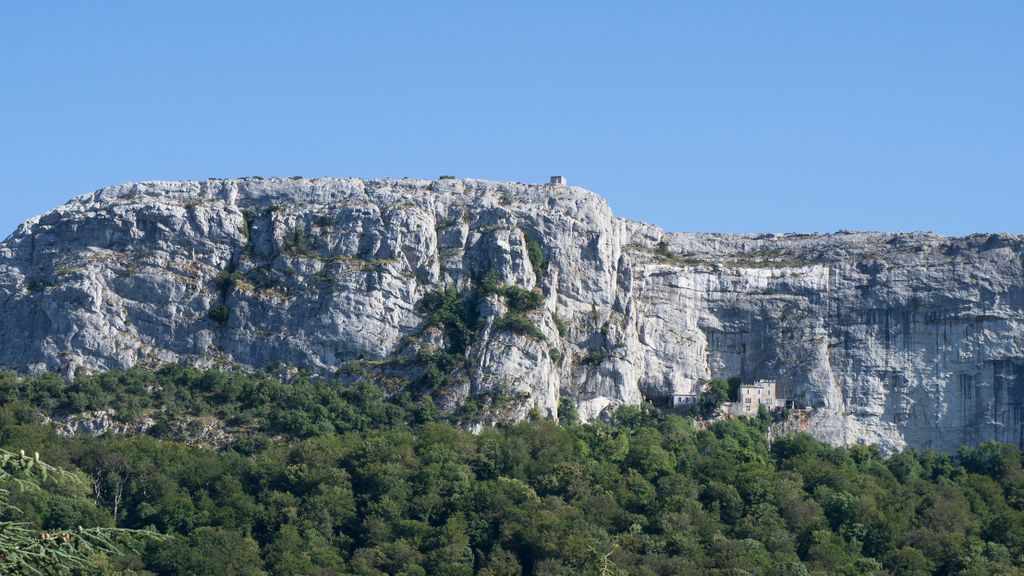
point(315, 479)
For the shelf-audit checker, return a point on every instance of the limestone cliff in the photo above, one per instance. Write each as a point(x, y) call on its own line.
point(898, 339)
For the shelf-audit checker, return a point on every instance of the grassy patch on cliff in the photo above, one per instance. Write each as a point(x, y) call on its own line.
point(457, 314)
point(519, 324)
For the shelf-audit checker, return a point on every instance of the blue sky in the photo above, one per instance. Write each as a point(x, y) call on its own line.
point(714, 116)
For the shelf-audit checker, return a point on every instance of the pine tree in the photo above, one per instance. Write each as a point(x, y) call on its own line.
point(25, 550)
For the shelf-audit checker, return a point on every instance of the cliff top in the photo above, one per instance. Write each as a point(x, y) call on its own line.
point(447, 194)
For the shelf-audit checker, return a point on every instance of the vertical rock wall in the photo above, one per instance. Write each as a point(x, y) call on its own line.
point(895, 339)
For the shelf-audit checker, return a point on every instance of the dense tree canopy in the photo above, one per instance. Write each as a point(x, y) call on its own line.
point(321, 479)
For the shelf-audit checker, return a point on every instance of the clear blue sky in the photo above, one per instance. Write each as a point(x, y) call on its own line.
point(712, 116)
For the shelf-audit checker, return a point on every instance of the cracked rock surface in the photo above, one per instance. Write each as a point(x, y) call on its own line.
point(896, 339)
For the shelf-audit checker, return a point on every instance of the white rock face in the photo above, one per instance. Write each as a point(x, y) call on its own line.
point(896, 339)
point(98, 423)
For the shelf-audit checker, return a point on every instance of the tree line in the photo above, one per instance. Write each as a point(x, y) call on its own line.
point(319, 478)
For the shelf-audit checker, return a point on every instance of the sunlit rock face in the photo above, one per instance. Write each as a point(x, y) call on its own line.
point(895, 339)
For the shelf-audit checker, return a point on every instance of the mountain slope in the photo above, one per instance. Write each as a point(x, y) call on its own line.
point(893, 338)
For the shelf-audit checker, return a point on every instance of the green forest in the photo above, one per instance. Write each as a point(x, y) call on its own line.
point(316, 478)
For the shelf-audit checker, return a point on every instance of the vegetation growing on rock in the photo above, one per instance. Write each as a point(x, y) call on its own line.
point(219, 313)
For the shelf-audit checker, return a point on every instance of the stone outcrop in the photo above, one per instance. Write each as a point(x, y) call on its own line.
point(896, 339)
point(97, 423)
point(189, 430)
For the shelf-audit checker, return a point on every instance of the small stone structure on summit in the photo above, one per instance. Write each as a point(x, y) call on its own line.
point(559, 181)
